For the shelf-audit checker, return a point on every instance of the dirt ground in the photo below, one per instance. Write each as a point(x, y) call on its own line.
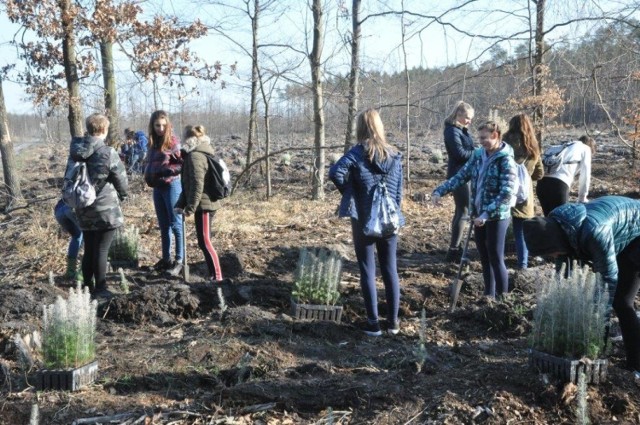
point(168, 353)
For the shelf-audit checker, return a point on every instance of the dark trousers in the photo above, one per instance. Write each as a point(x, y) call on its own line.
point(203, 233)
point(552, 193)
point(490, 243)
point(96, 251)
point(623, 301)
point(386, 247)
point(461, 198)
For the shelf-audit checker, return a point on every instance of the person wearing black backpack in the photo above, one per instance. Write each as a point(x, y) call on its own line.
point(102, 217)
point(356, 175)
point(199, 196)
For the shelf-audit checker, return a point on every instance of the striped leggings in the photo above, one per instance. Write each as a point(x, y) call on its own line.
point(203, 231)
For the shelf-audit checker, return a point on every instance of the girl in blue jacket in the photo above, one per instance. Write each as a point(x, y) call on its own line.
point(492, 173)
point(356, 175)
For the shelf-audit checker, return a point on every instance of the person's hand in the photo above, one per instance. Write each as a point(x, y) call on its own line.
point(435, 200)
point(479, 221)
point(178, 210)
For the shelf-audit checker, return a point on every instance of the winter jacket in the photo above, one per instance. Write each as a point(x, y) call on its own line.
point(356, 177)
point(109, 177)
point(535, 169)
point(576, 160)
point(141, 144)
point(599, 231)
point(459, 145)
point(196, 193)
point(163, 166)
point(497, 187)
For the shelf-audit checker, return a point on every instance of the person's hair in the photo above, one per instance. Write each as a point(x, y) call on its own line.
point(492, 127)
point(521, 124)
point(158, 142)
point(193, 131)
point(589, 141)
point(96, 124)
point(369, 128)
point(461, 107)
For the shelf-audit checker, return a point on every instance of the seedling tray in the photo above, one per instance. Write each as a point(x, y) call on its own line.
point(66, 379)
point(316, 312)
point(568, 370)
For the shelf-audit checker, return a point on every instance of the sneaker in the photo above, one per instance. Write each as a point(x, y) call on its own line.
point(175, 269)
point(162, 265)
point(372, 329)
point(394, 327)
point(102, 293)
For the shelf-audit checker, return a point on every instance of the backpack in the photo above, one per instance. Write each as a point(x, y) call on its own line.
point(219, 178)
point(383, 220)
point(523, 185)
point(553, 158)
point(77, 189)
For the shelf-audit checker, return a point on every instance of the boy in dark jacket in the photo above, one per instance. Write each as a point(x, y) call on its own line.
point(606, 232)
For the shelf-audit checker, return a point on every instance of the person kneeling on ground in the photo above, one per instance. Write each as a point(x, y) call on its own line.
point(606, 232)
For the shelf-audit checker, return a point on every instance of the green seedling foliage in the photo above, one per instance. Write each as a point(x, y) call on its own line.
point(125, 244)
point(317, 276)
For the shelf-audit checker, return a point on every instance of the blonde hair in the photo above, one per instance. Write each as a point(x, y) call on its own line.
point(193, 131)
point(492, 127)
point(369, 128)
point(96, 124)
point(461, 107)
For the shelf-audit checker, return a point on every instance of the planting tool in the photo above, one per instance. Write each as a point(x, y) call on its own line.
point(456, 284)
point(185, 265)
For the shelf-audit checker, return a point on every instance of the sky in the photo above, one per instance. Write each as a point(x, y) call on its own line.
point(428, 44)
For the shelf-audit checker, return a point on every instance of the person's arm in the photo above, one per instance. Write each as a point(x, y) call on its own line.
point(585, 175)
point(118, 174)
point(340, 171)
point(461, 177)
point(538, 170)
point(601, 247)
point(195, 181)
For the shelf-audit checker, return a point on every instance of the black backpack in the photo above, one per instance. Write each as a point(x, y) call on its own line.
point(219, 178)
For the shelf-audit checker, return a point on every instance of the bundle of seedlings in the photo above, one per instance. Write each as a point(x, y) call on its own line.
point(69, 330)
point(317, 276)
point(124, 248)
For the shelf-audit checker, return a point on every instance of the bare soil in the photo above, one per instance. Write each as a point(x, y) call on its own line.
point(168, 354)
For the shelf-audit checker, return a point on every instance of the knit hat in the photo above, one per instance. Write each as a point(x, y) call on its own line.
point(544, 236)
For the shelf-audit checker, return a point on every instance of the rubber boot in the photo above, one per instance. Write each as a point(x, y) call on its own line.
point(72, 268)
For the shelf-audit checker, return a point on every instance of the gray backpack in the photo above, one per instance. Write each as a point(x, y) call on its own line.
point(553, 157)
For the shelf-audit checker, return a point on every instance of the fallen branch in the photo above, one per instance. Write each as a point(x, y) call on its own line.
point(103, 419)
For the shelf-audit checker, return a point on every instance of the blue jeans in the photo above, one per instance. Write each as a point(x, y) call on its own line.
point(164, 198)
point(68, 221)
point(490, 244)
point(386, 247)
point(521, 247)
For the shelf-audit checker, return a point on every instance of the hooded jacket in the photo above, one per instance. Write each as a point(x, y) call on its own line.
point(163, 166)
point(459, 145)
point(356, 177)
point(497, 187)
point(599, 230)
point(109, 177)
point(533, 166)
point(196, 195)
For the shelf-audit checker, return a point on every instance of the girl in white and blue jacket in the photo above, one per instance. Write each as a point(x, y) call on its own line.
point(356, 175)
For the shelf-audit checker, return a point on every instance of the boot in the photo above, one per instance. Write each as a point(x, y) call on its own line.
point(72, 268)
point(454, 255)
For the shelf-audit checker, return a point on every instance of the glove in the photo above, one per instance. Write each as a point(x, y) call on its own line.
point(435, 199)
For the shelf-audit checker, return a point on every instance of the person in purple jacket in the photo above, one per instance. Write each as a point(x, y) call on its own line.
point(162, 173)
point(356, 175)
point(459, 145)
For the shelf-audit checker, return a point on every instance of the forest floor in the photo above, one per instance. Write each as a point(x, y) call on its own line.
point(168, 355)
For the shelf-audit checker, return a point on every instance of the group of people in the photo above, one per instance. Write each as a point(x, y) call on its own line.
point(176, 172)
point(604, 232)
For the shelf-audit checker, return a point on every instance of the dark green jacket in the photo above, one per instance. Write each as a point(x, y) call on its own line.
point(195, 194)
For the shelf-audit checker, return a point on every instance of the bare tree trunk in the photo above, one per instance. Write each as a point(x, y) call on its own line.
point(110, 96)
point(71, 69)
point(253, 114)
point(354, 76)
point(408, 104)
point(318, 102)
point(267, 147)
point(9, 169)
point(538, 113)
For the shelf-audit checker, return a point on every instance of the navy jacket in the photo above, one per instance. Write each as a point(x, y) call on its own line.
point(599, 230)
point(459, 146)
point(356, 177)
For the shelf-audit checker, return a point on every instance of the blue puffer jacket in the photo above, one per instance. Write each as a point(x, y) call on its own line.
point(496, 188)
point(356, 177)
point(459, 145)
point(599, 230)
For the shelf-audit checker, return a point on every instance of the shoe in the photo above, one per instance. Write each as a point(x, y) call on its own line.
point(372, 329)
point(225, 281)
point(394, 327)
point(175, 269)
point(162, 265)
point(102, 293)
point(454, 255)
